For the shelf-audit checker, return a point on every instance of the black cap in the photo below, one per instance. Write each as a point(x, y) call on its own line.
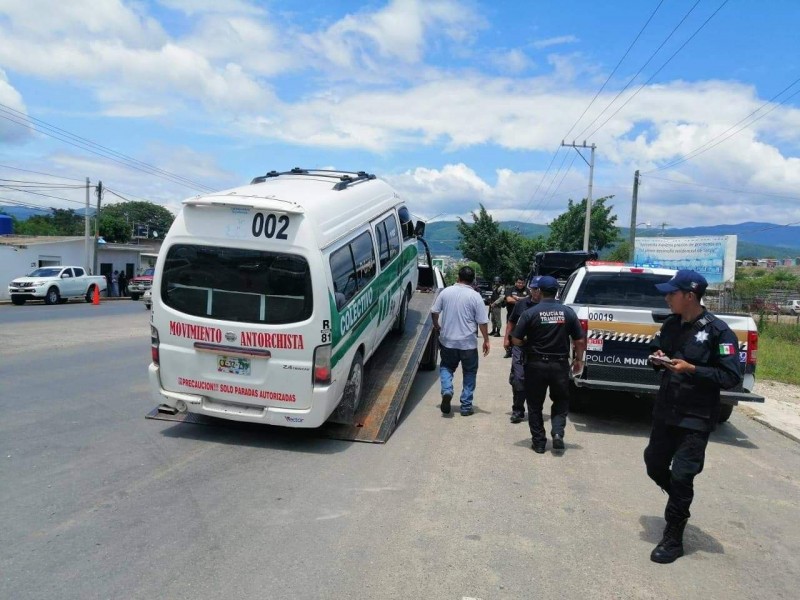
point(684, 280)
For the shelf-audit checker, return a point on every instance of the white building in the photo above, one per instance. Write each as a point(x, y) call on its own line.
point(19, 255)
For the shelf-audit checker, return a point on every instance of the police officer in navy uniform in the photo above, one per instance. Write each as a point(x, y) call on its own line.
point(545, 332)
point(704, 355)
point(517, 376)
point(512, 294)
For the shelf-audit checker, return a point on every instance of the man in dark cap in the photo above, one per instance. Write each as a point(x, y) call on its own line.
point(545, 331)
point(699, 355)
point(516, 377)
point(512, 294)
point(496, 303)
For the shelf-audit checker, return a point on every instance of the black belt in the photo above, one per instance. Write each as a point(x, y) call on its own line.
point(543, 358)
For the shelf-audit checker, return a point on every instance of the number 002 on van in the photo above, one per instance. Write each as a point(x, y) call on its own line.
point(268, 299)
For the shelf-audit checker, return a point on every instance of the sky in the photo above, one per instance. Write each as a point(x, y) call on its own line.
point(456, 103)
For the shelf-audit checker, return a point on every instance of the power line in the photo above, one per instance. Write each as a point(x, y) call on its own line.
point(674, 54)
point(39, 173)
point(703, 149)
point(8, 187)
point(602, 87)
point(733, 191)
point(20, 118)
point(642, 68)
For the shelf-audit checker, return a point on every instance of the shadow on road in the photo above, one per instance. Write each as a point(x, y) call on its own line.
point(694, 538)
point(625, 414)
point(255, 435)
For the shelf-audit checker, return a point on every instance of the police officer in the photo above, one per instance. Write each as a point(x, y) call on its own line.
point(512, 294)
point(703, 355)
point(496, 307)
point(545, 331)
point(517, 376)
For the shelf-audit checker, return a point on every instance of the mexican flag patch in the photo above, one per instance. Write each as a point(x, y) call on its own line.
point(726, 349)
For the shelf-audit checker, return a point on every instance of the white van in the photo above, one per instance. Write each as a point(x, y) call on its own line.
point(269, 298)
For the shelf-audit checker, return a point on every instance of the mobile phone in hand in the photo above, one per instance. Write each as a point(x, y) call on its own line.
point(660, 360)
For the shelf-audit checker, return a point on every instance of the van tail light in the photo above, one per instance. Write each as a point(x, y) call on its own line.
point(752, 347)
point(584, 325)
point(154, 344)
point(322, 365)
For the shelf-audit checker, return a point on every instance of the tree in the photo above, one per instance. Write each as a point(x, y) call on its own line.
point(566, 230)
point(59, 222)
point(154, 218)
point(499, 252)
point(620, 253)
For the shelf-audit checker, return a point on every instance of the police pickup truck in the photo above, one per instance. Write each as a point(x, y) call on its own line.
point(620, 310)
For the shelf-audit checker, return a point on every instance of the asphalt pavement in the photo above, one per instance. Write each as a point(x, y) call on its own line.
point(98, 502)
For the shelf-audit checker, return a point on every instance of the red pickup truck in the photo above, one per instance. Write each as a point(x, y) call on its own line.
point(140, 284)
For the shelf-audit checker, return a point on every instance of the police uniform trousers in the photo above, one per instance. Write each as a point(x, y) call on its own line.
point(539, 376)
point(685, 450)
point(497, 318)
point(517, 380)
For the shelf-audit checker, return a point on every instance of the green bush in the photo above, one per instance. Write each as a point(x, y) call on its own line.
point(779, 352)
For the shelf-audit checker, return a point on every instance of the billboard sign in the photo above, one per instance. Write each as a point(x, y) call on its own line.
point(714, 257)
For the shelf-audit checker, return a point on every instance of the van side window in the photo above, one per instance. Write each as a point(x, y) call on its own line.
point(352, 267)
point(406, 224)
point(388, 240)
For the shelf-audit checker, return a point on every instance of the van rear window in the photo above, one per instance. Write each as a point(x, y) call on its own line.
point(236, 284)
point(622, 289)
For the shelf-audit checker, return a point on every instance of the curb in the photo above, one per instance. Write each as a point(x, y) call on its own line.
point(774, 428)
point(753, 415)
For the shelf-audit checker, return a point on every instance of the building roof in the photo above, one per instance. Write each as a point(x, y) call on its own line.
point(29, 240)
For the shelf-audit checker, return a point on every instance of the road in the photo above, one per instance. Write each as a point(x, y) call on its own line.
point(97, 502)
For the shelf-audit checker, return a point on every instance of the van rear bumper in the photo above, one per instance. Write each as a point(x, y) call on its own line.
point(311, 417)
point(726, 397)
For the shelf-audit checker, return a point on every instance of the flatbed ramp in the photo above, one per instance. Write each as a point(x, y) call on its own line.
point(387, 380)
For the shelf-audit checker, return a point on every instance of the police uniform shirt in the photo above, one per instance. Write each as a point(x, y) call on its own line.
point(691, 400)
point(547, 328)
point(517, 293)
point(519, 308)
point(496, 291)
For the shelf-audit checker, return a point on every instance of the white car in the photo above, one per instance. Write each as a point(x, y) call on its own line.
point(147, 298)
point(792, 307)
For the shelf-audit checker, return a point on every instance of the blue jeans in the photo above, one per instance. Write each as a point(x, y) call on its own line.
point(450, 357)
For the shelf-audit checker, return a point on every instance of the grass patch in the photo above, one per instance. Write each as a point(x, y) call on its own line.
point(779, 352)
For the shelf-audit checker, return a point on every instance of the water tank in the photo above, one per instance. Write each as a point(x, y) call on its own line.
point(6, 225)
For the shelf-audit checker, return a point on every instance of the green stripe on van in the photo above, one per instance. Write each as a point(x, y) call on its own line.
point(388, 281)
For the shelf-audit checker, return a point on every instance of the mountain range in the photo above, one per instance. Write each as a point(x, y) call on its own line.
point(755, 240)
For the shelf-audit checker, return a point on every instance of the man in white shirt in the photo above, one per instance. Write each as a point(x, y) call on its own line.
point(462, 312)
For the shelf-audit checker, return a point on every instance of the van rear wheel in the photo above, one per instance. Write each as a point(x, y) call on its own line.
point(354, 388)
point(402, 316)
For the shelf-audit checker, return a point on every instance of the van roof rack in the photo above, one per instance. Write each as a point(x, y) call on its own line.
point(345, 178)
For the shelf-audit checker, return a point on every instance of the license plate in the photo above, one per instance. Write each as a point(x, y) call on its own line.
point(233, 364)
point(594, 344)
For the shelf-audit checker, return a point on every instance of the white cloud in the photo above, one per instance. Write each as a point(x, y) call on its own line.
point(512, 61)
point(196, 7)
point(11, 129)
point(556, 41)
point(396, 32)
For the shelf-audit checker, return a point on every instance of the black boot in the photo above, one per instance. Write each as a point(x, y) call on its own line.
point(670, 548)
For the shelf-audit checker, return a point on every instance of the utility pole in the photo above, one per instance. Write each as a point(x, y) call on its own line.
point(97, 225)
point(86, 231)
point(590, 162)
point(663, 225)
point(633, 211)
